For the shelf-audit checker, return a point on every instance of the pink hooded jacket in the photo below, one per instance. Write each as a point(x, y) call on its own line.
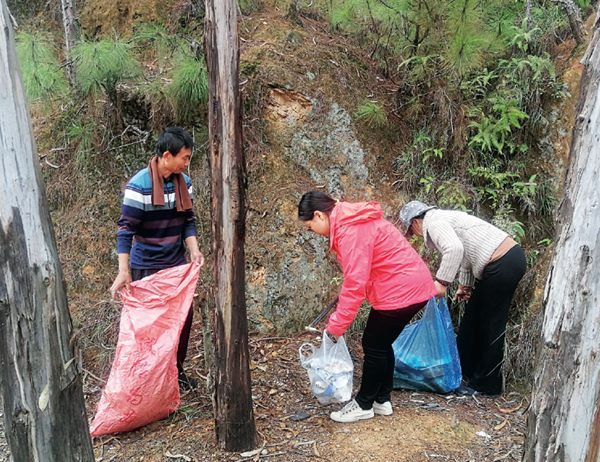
point(378, 262)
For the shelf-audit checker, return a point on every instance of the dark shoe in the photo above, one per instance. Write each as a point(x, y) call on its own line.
point(490, 395)
point(187, 383)
point(466, 391)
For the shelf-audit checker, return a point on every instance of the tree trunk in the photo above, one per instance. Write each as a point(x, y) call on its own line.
point(44, 409)
point(575, 19)
point(207, 339)
point(528, 8)
point(234, 418)
point(564, 418)
point(72, 31)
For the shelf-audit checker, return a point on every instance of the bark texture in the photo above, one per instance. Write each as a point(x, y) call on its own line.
point(564, 418)
point(575, 20)
point(72, 30)
point(234, 418)
point(40, 378)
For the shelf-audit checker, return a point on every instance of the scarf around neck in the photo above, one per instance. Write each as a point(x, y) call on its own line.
point(183, 200)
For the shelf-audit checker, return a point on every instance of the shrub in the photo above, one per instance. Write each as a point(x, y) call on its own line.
point(42, 77)
point(188, 89)
point(102, 65)
point(373, 114)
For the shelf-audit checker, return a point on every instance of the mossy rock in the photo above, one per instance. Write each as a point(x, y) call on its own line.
point(294, 38)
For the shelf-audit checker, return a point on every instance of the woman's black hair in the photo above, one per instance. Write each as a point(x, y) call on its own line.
point(314, 201)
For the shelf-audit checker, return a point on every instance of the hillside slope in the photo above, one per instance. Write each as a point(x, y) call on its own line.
point(301, 85)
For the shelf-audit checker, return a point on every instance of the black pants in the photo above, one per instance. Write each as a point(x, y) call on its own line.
point(184, 338)
point(383, 328)
point(481, 335)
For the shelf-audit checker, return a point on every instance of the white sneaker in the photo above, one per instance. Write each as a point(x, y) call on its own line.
point(383, 409)
point(351, 412)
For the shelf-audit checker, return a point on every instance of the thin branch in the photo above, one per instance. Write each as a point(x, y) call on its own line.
point(94, 376)
point(123, 146)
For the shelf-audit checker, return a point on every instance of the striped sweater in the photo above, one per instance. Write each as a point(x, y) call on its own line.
point(465, 242)
point(153, 235)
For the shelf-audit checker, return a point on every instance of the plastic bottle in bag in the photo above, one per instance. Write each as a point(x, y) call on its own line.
point(330, 370)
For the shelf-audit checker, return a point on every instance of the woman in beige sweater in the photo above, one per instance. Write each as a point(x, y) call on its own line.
point(489, 265)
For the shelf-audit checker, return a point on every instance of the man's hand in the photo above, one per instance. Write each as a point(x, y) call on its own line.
point(122, 279)
point(124, 276)
point(441, 289)
point(197, 257)
point(462, 294)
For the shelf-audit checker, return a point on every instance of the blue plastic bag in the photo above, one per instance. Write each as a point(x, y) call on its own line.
point(426, 354)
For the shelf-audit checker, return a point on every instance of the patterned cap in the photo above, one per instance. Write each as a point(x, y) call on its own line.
point(412, 210)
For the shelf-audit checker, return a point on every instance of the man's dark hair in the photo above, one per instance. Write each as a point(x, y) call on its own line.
point(173, 139)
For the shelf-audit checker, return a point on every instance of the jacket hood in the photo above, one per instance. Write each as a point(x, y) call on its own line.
point(351, 213)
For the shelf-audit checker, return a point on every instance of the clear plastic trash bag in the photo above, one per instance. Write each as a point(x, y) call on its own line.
point(143, 383)
point(330, 370)
point(425, 352)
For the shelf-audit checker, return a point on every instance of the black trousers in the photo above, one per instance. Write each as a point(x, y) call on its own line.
point(184, 338)
point(481, 335)
point(383, 328)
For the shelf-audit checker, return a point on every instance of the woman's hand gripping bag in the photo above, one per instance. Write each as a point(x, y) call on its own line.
point(425, 352)
point(330, 370)
point(143, 383)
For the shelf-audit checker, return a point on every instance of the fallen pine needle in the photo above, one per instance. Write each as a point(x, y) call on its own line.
point(302, 443)
point(505, 456)
point(315, 450)
point(94, 376)
point(501, 425)
point(510, 411)
point(105, 442)
point(260, 451)
point(178, 456)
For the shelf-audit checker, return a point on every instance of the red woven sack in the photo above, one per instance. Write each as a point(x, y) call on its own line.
point(143, 383)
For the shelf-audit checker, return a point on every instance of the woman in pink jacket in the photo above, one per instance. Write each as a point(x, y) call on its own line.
point(381, 266)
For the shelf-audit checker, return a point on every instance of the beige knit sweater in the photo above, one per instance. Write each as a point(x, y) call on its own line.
point(465, 242)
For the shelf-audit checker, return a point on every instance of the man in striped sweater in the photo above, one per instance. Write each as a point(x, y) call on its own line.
point(157, 218)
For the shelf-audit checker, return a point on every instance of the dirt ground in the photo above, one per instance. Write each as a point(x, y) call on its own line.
point(424, 426)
